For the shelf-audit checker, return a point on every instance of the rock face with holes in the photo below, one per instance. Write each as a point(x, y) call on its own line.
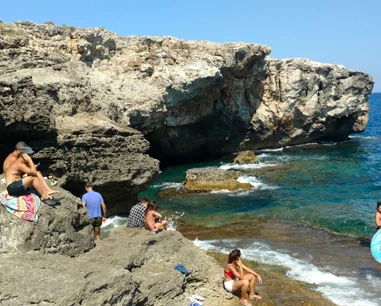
point(101, 107)
point(64, 229)
point(131, 267)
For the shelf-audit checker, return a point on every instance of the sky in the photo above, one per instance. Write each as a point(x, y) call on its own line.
point(345, 32)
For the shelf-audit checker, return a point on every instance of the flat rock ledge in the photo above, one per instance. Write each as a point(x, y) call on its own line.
point(210, 179)
point(130, 267)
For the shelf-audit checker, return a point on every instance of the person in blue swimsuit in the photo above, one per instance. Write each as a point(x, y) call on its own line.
point(235, 280)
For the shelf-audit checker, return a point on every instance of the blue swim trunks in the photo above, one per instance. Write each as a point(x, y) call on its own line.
point(16, 189)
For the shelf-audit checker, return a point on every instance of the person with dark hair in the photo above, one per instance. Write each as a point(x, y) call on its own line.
point(95, 206)
point(377, 216)
point(150, 216)
point(136, 216)
point(17, 183)
point(235, 280)
point(22, 148)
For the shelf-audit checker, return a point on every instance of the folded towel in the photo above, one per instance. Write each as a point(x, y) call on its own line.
point(25, 207)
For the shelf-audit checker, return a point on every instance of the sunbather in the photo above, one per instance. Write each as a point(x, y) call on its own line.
point(17, 184)
point(235, 280)
point(22, 147)
point(150, 214)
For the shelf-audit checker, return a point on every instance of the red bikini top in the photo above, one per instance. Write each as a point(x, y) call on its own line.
point(230, 274)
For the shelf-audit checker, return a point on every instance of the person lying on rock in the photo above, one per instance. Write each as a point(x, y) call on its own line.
point(95, 206)
point(235, 280)
point(22, 147)
point(17, 184)
point(150, 215)
point(136, 216)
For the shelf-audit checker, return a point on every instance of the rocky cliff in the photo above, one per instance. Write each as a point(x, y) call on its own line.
point(136, 267)
point(103, 107)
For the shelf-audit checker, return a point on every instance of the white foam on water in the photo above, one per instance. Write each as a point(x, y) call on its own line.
point(173, 219)
point(222, 191)
point(114, 221)
point(270, 150)
point(362, 137)
point(253, 181)
point(241, 193)
point(167, 185)
point(247, 166)
point(342, 290)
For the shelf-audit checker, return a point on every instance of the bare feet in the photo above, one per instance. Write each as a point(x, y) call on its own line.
point(245, 302)
point(51, 191)
point(255, 296)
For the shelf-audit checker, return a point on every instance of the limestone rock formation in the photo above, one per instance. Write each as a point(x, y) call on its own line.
point(210, 179)
point(64, 229)
point(131, 267)
point(190, 99)
point(246, 157)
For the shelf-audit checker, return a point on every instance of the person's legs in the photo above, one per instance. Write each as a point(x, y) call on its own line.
point(97, 233)
point(165, 224)
point(251, 279)
point(242, 285)
point(45, 185)
point(96, 223)
point(33, 181)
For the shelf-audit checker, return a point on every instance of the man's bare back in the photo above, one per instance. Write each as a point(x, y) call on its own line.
point(9, 160)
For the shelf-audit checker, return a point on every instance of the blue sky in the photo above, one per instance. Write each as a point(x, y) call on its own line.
point(336, 31)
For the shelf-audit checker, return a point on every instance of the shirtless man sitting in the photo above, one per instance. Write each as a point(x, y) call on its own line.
point(17, 184)
point(16, 154)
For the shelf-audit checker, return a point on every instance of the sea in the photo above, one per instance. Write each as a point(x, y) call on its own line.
point(311, 210)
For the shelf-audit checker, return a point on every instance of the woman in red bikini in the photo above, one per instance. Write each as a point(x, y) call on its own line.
point(235, 279)
point(152, 218)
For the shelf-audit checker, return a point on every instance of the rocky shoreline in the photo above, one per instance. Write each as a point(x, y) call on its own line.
point(136, 267)
point(56, 262)
point(100, 107)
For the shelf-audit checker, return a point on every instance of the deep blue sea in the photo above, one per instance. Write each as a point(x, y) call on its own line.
point(319, 201)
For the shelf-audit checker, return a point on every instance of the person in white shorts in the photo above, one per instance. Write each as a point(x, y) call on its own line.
point(235, 280)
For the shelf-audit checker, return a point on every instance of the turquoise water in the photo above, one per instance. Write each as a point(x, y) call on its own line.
point(325, 194)
point(333, 186)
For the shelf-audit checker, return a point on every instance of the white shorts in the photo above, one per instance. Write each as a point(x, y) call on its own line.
point(229, 285)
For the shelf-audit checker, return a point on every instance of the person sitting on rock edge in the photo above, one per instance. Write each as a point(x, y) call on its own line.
point(136, 216)
point(150, 215)
point(22, 147)
point(17, 184)
point(95, 206)
point(234, 279)
point(377, 216)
